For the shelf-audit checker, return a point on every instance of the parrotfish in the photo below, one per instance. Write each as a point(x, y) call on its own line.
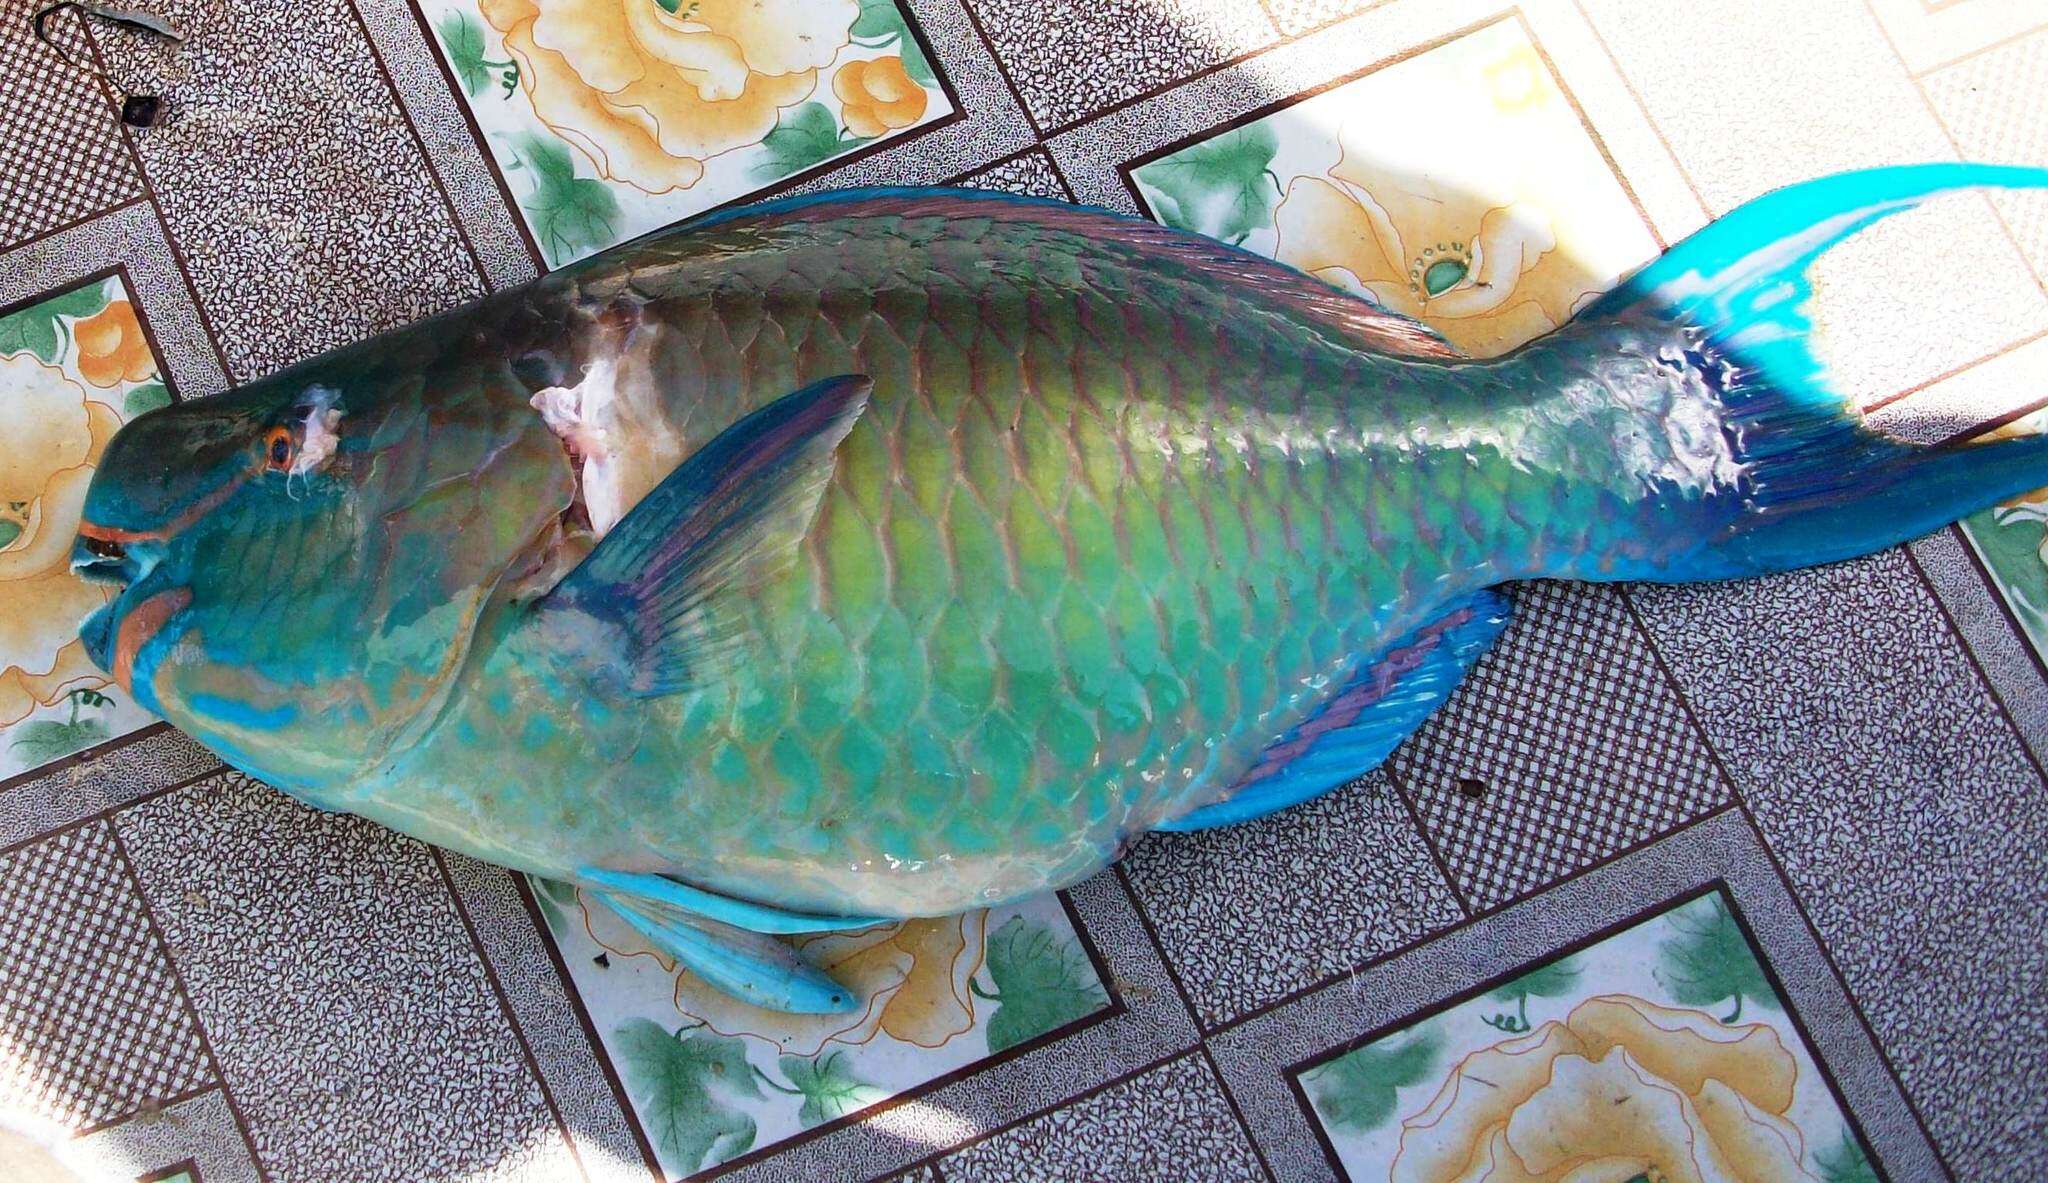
point(894, 553)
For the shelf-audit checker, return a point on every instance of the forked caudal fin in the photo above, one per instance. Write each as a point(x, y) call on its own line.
point(1816, 485)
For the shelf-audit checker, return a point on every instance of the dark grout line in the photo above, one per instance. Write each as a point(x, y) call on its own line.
point(163, 947)
point(1990, 688)
point(1237, 1111)
point(75, 223)
point(483, 958)
point(419, 142)
point(163, 224)
point(1841, 982)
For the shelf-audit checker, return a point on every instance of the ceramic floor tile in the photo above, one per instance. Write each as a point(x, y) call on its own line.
point(91, 1014)
point(346, 1006)
point(1299, 16)
point(193, 1141)
point(1990, 103)
point(61, 155)
point(1171, 1122)
point(1032, 174)
point(1907, 813)
point(942, 995)
point(1325, 886)
point(74, 366)
point(602, 141)
point(290, 180)
point(1074, 59)
point(1624, 1025)
point(1565, 745)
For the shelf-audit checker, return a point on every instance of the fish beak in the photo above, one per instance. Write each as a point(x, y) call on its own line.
point(98, 558)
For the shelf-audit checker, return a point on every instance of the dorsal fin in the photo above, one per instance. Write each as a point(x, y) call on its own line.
point(654, 603)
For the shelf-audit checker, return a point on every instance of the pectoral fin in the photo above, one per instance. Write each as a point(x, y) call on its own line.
point(723, 909)
point(747, 965)
point(1356, 729)
point(654, 605)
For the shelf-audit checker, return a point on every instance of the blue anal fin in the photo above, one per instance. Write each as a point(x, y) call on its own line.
point(721, 908)
point(1359, 725)
point(751, 967)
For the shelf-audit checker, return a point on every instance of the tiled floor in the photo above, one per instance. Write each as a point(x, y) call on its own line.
point(1782, 843)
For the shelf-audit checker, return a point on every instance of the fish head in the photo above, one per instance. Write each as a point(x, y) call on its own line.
point(303, 563)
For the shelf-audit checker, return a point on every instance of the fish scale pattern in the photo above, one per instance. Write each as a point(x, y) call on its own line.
point(1123, 506)
point(1062, 578)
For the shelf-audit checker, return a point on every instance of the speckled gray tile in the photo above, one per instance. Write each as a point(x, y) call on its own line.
point(1252, 912)
point(199, 1134)
point(1031, 174)
point(348, 1011)
point(291, 181)
point(1909, 816)
point(92, 1021)
point(1172, 1122)
point(1258, 1057)
point(1072, 59)
point(61, 156)
point(1565, 745)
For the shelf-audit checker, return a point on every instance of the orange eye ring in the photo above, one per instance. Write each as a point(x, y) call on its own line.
point(279, 449)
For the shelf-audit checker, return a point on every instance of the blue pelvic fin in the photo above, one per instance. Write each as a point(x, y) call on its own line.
point(659, 596)
point(1381, 705)
point(724, 909)
point(749, 966)
point(1820, 485)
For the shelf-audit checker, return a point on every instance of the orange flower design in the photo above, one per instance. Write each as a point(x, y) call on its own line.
point(51, 434)
point(878, 96)
point(648, 94)
point(1622, 1088)
point(111, 347)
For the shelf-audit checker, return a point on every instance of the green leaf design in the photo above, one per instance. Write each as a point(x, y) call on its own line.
point(829, 1087)
point(145, 398)
point(44, 740)
point(1844, 1162)
point(801, 138)
point(1042, 983)
point(2010, 540)
point(463, 38)
point(878, 21)
point(1223, 187)
point(1355, 1091)
point(78, 303)
point(9, 531)
point(1553, 980)
point(31, 330)
point(1708, 961)
point(568, 213)
point(682, 1086)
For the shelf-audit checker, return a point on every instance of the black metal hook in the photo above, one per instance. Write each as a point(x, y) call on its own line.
point(137, 110)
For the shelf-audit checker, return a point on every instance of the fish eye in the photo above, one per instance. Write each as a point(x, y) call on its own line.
point(278, 448)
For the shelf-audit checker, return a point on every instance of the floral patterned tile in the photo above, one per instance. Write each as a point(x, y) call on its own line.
point(1487, 211)
point(610, 118)
point(1661, 1052)
point(710, 1079)
point(74, 367)
point(2011, 541)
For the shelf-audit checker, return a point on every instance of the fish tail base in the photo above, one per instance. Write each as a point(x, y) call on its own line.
point(1813, 484)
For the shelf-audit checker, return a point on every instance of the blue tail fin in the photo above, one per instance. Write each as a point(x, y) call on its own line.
point(1816, 485)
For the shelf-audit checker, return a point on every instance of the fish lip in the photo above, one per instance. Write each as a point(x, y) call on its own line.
point(110, 632)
